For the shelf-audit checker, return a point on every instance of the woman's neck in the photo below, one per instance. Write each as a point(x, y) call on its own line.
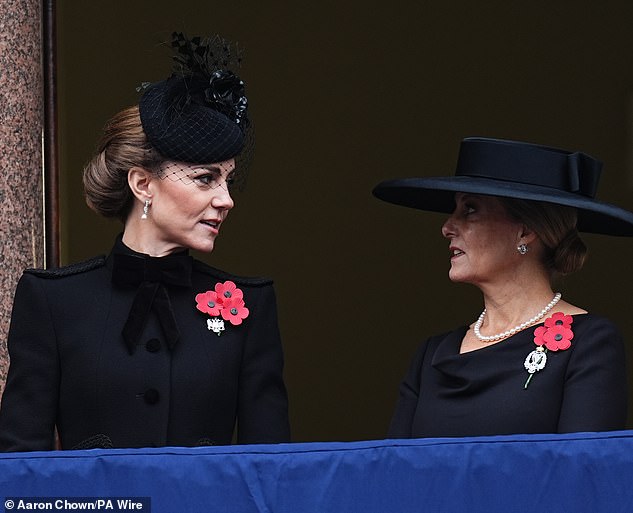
point(512, 302)
point(143, 241)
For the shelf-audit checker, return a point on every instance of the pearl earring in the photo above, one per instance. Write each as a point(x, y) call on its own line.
point(146, 209)
point(522, 248)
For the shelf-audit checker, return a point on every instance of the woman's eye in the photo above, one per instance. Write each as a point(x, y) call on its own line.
point(214, 180)
point(205, 179)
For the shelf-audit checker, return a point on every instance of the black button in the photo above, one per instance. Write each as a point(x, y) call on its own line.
point(151, 396)
point(152, 345)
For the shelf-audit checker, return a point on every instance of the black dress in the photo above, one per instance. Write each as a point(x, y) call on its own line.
point(169, 382)
point(482, 392)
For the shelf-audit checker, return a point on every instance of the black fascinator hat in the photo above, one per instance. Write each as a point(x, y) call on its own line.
point(199, 114)
point(514, 169)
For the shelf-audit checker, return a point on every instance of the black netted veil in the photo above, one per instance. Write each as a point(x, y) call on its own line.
point(199, 114)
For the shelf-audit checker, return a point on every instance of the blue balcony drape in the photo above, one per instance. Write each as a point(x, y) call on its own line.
point(581, 472)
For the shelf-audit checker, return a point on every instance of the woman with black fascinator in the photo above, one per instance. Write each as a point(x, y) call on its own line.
point(531, 362)
point(149, 347)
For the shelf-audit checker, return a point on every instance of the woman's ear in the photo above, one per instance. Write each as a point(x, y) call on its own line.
point(527, 235)
point(139, 180)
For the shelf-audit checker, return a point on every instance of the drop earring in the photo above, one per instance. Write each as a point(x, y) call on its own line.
point(146, 209)
point(522, 249)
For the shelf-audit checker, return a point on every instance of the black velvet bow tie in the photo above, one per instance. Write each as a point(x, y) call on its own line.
point(150, 275)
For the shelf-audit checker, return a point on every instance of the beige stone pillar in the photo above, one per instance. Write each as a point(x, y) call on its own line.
point(21, 182)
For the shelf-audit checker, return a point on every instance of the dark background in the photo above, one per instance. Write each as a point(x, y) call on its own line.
point(345, 94)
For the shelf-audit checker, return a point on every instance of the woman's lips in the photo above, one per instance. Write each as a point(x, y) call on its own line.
point(455, 252)
point(212, 224)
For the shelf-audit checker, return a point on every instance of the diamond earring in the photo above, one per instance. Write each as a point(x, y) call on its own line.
point(146, 209)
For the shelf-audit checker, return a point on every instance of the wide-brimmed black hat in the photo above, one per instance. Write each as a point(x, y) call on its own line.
point(199, 114)
point(514, 169)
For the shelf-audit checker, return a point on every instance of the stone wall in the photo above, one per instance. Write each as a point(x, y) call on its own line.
point(21, 181)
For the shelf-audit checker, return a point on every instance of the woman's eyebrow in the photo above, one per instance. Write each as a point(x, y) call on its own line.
point(210, 167)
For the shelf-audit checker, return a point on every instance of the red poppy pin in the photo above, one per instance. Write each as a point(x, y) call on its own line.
point(554, 335)
point(224, 303)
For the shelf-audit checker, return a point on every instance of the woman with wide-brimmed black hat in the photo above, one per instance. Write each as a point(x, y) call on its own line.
point(150, 347)
point(531, 362)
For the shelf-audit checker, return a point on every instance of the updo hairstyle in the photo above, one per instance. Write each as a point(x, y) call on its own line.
point(123, 146)
point(564, 252)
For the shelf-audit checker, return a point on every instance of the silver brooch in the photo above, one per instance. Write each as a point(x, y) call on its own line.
point(216, 325)
point(535, 362)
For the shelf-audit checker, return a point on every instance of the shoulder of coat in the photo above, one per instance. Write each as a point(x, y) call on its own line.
point(69, 270)
point(223, 275)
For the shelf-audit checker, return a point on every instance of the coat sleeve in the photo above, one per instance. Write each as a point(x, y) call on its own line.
point(402, 421)
point(595, 393)
point(29, 401)
point(263, 401)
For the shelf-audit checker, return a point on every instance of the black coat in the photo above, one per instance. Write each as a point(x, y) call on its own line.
point(70, 368)
point(482, 392)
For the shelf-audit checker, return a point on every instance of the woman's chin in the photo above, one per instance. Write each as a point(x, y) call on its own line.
point(456, 277)
point(203, 246)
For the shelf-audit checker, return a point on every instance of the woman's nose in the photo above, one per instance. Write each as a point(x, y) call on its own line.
point(448, 228)
point(222, 199)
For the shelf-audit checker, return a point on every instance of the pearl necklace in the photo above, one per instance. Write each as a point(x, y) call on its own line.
point(516, 329)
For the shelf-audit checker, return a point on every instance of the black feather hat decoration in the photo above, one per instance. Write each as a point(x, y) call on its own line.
point(199, 114)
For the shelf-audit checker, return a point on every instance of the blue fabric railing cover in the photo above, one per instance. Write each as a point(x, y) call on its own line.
point(581, 472)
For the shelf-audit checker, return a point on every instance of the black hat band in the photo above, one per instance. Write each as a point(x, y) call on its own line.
point(530, 164)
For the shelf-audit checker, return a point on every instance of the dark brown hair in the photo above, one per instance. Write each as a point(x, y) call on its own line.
point(564, 252)
point(123, 146)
